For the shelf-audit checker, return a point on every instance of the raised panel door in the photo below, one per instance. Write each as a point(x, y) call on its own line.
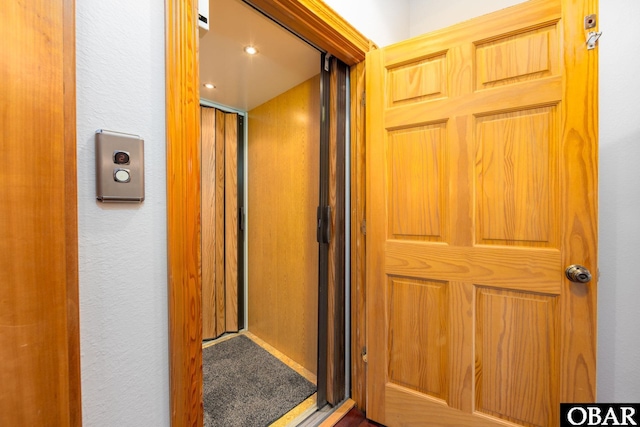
point(481, 190)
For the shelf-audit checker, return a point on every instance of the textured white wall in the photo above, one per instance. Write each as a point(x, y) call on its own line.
point(383, 21)
point(619, 289)
point(430, 15)
point(123, 270)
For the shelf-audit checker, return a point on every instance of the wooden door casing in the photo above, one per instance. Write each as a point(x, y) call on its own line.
point(481, 190)
point(39, 316)
point(357, 262)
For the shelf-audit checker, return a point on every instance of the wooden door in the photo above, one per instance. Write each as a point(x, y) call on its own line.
point(39, 325)
point(219, 223)
point(482, 189)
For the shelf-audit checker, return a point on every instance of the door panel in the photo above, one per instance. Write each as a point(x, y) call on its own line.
point(512, 327)
point(283, 192)
point(219, 222)
point(219, 255)
point(517, 182)
point(477, 151)
point(208, 221)
point(231, 220)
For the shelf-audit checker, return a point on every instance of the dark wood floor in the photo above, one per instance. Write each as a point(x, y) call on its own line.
point(355, 418)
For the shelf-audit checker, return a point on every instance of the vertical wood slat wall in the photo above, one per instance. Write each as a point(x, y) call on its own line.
point(219, 224)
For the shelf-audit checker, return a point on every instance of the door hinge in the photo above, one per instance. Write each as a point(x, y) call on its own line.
point(363, 227)
point(590, 22)
point(363, 102)
point(592, 38)
point(365, 359)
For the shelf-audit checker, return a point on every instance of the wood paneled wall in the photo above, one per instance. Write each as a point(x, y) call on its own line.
point(209, 229)
point(283, 186)
point(219, 225)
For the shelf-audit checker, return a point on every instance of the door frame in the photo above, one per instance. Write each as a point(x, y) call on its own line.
point(55, 302)
point(321, 26)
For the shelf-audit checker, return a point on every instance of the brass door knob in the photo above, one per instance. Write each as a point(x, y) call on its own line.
point(577, 273)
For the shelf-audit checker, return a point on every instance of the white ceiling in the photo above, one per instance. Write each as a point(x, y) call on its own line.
point(244, 82)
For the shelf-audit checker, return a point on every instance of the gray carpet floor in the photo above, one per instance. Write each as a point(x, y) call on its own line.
point(245, 386)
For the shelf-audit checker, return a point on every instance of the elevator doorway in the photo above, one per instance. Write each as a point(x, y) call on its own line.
point(278, 103)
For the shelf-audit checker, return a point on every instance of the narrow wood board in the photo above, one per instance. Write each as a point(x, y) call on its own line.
point(183, 213)
point(358, 238)
point(339, 413)
point(231, 221)
point(208, 233)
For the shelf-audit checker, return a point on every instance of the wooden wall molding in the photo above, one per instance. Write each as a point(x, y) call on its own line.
point(183, 213)
point(358, 253)
point(312, 20)
point(316, 22)
point(71, 211)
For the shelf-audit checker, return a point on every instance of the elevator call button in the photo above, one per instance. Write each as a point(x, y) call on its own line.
point(119, 167)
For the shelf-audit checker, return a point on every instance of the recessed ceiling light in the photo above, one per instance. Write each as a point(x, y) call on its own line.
point(209, 86)
point(250, 50)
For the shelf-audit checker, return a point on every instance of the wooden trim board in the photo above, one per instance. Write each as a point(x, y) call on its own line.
point(282, 357)
point(338, 414)
point(358, 253)
point(183, 213)
point(71, 212)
